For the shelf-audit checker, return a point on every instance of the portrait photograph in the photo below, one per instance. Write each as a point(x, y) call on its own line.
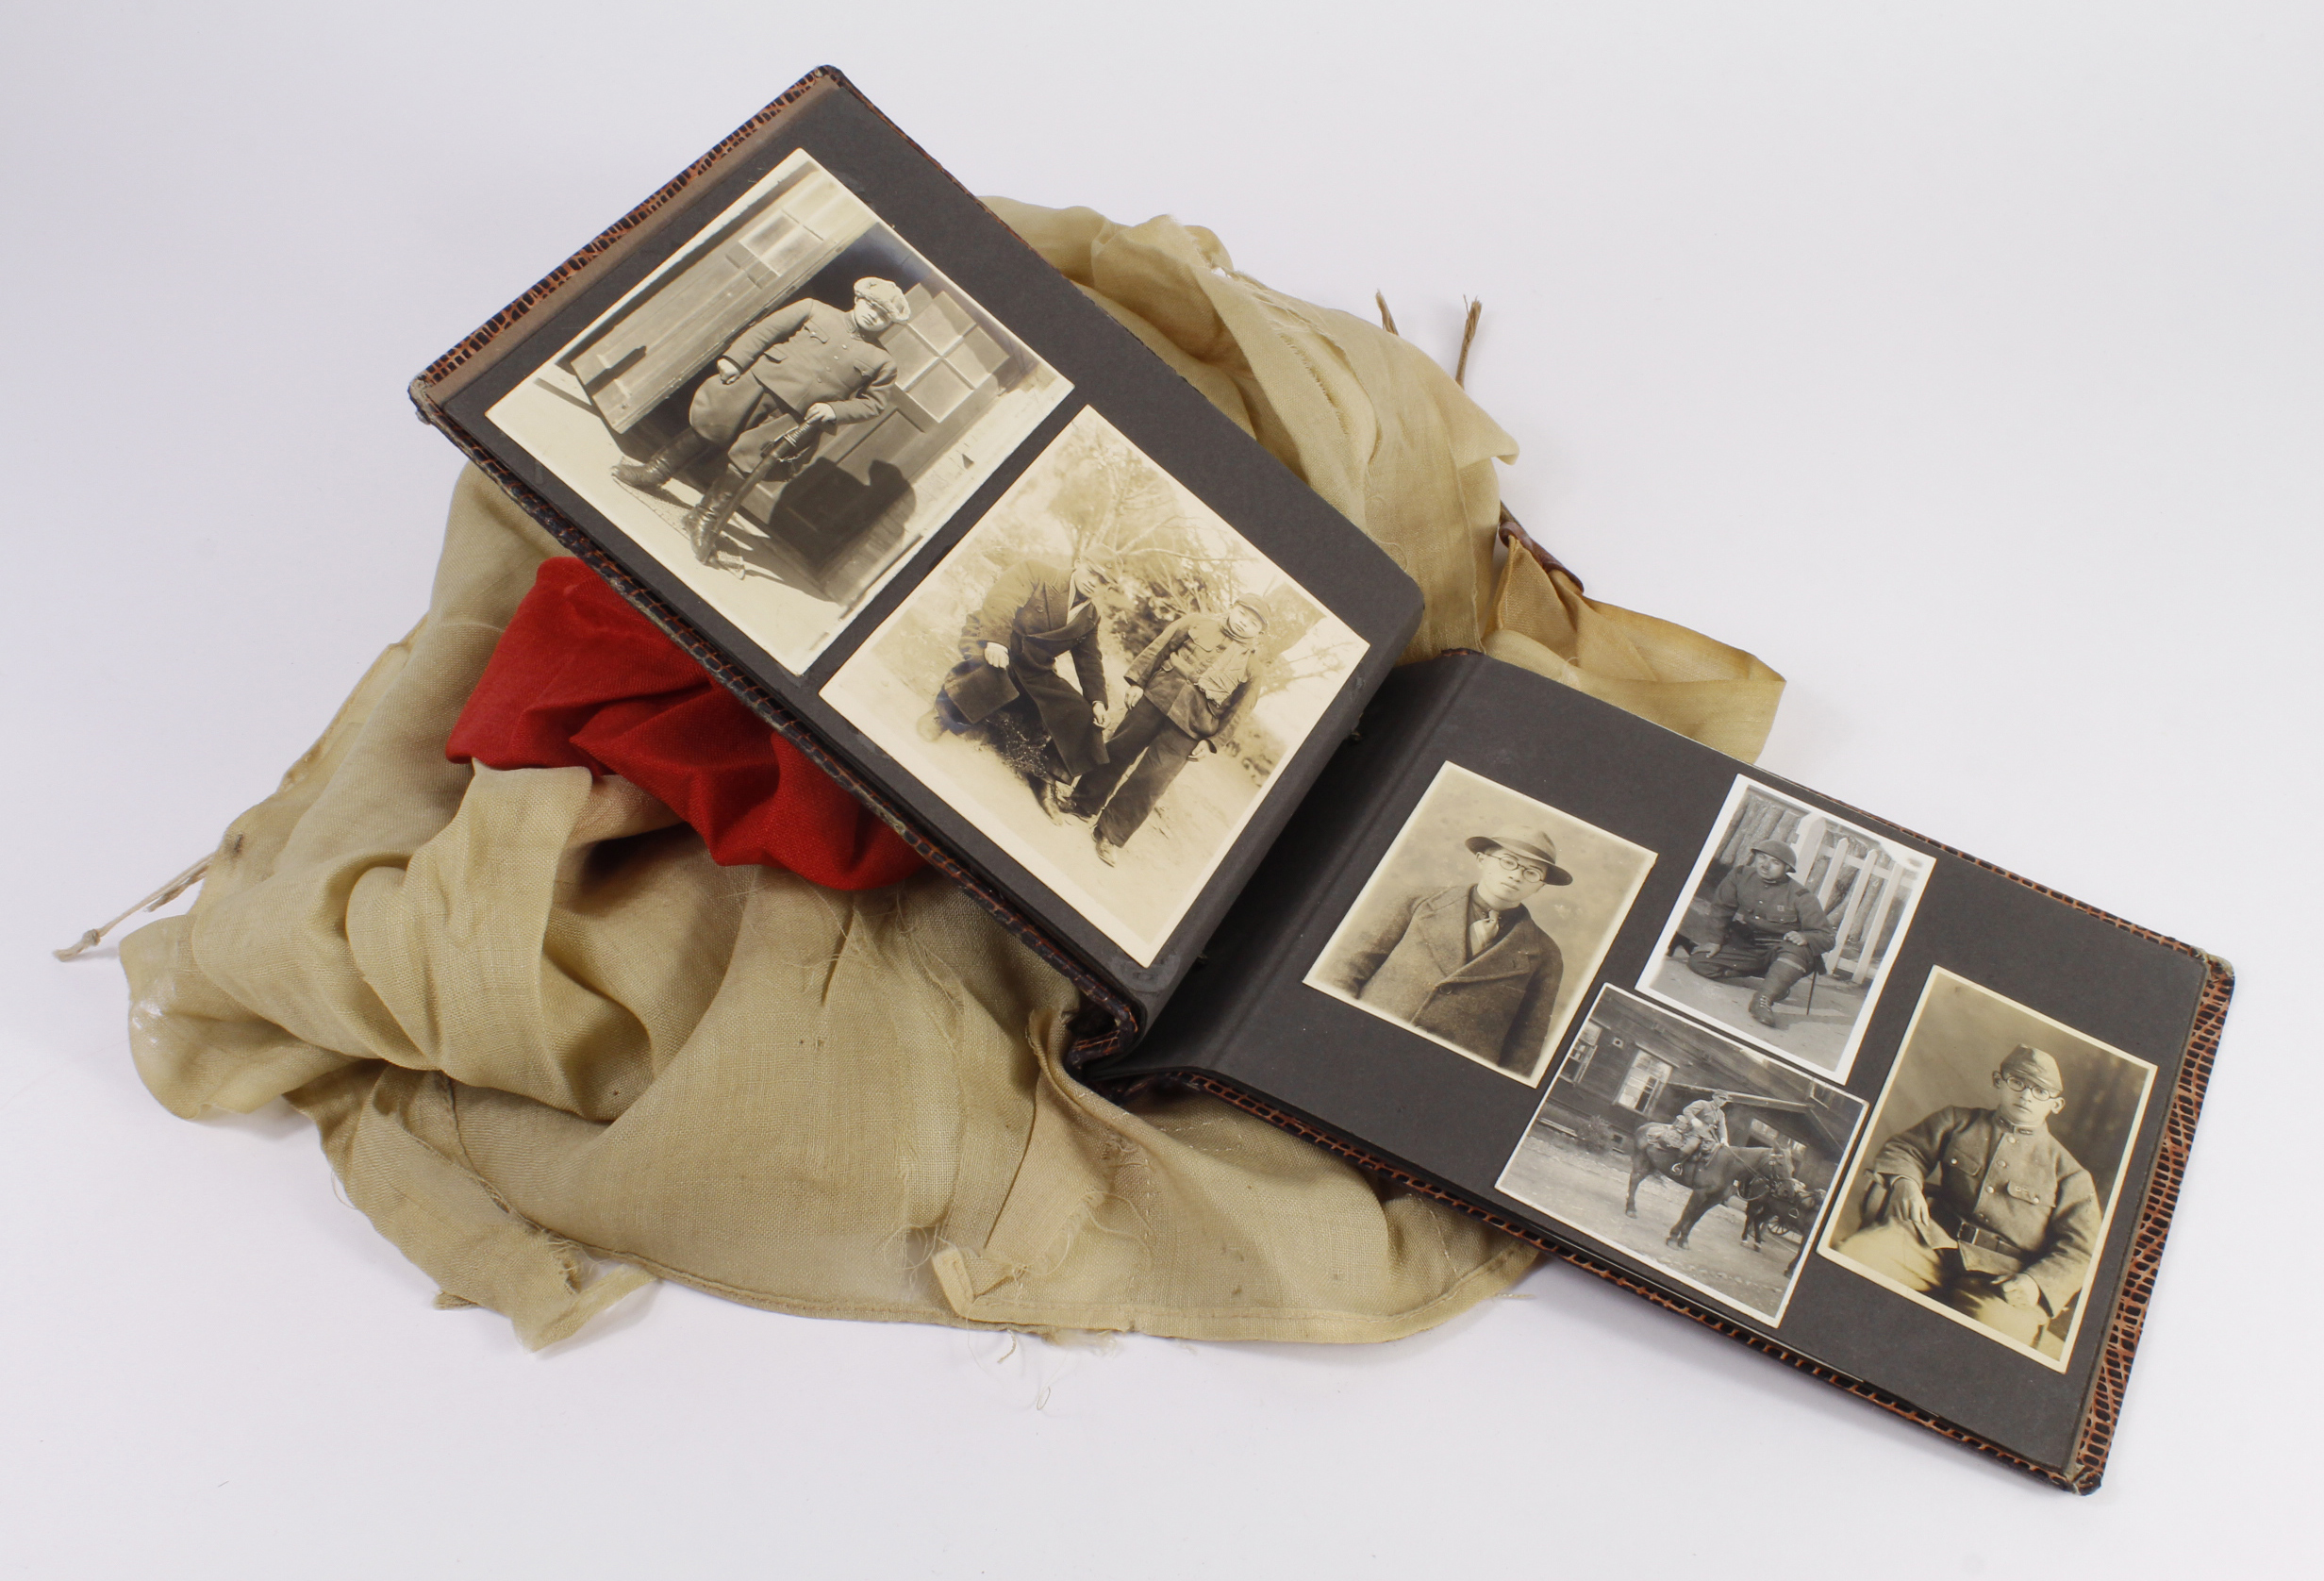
point(1106, 679)
point(1992, 1167)
point(786, 409)
point(1483, 926)
point(1786, 927)
point(1708, 1161)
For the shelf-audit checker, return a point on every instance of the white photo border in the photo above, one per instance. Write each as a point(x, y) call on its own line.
point(851, 692)
point(1924, 869)
point(514, 414)
point(1824, 1248)
point(1817, 1232)
point(1578, 971)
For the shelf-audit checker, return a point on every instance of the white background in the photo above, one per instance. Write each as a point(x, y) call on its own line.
point(1962, 360)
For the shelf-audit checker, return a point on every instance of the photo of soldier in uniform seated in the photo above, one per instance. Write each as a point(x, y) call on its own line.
point(1788, 922)
point(786, 409)
point(1978, 1207)
point(1484, 921)
point(1105, 678)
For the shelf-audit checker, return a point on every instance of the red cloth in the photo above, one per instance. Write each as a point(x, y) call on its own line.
point(580, 677)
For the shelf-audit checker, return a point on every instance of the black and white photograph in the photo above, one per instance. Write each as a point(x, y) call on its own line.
point(1105, 677)
point(1702, 1158)
point(786, 409)
point(1994, 1162)
point(1790, 921)
point(1484, 926)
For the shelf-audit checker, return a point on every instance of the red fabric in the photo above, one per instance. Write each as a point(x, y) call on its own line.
point(580, 677)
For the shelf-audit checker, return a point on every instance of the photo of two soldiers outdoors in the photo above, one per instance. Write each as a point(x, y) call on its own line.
point(1153, 559)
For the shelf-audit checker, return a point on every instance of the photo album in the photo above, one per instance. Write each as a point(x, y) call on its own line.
point(1874, 1106)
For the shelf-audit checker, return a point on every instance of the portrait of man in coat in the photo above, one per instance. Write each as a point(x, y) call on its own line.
point(1468, 963)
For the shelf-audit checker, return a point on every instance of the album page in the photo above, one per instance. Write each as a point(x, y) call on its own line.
point(909, 492)
point(1804, 1074)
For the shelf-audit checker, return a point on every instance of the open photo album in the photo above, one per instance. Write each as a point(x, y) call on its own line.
point(1876, 1107)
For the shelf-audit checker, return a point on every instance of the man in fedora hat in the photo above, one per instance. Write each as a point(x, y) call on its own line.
point(1982, 1209)
point(1183, 690)
point(790, 378)
point(1469, 964)
point(1768, 926)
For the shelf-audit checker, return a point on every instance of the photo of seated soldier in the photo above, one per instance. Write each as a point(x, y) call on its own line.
point(793, 375)
point(1182, 692)
point(1769, 926)
point(1034, 615)
point(1983, 1210)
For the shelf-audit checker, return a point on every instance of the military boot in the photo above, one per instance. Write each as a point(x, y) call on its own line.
point(664, 464)
point(1772, 988)
point(707, 522)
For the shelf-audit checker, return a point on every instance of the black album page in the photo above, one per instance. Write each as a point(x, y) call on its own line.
point(1804, 1073)
point(902, 486)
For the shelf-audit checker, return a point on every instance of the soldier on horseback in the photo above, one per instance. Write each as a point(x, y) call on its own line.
point(1700, 1126)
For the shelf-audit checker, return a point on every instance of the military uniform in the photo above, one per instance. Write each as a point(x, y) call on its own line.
point(2011, 1201)
point(1424, 966)
point(1753, 915)
point(803, 354)
point(1032, 611)
point(799, 354)
point(1196, 676)
point(1703, 1123)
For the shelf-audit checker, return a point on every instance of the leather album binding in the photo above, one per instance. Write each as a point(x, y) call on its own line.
point(1851, 1096)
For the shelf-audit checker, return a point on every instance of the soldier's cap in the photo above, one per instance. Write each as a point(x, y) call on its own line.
point(884, 296)
point(1781, 852)
point(1533, 845)
point(1259, 616)
point(2033, 1064)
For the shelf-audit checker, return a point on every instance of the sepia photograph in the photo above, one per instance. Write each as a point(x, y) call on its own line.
point(1995, 1160)
point(1790, 921)
point(1483, 926)
point(786, 409)
point(1106, 679)
point(1703, 1159)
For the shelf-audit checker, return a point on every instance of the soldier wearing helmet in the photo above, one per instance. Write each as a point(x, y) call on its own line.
point(1769, 927)
point(1982, 1208)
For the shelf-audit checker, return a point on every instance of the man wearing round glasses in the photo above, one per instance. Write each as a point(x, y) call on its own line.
point(1983, 1210)
point(1468, 963)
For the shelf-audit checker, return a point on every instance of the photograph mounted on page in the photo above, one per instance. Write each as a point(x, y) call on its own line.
point(1483, 926)
point(786, 409)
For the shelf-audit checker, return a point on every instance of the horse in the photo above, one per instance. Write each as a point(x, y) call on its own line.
point(1793, 1207)
point(1714, 1176)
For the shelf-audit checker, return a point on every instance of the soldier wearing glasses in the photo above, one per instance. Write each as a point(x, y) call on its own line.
point(1469, 964)
point(1982, 1210)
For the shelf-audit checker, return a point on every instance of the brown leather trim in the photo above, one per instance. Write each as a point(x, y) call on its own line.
point(444, 366)
point(2087, 1465)
point(1514, 534)
point(1206, 1083)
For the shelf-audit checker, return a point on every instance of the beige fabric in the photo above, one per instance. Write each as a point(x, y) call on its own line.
point(1681, 679)
point(537, 1028)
